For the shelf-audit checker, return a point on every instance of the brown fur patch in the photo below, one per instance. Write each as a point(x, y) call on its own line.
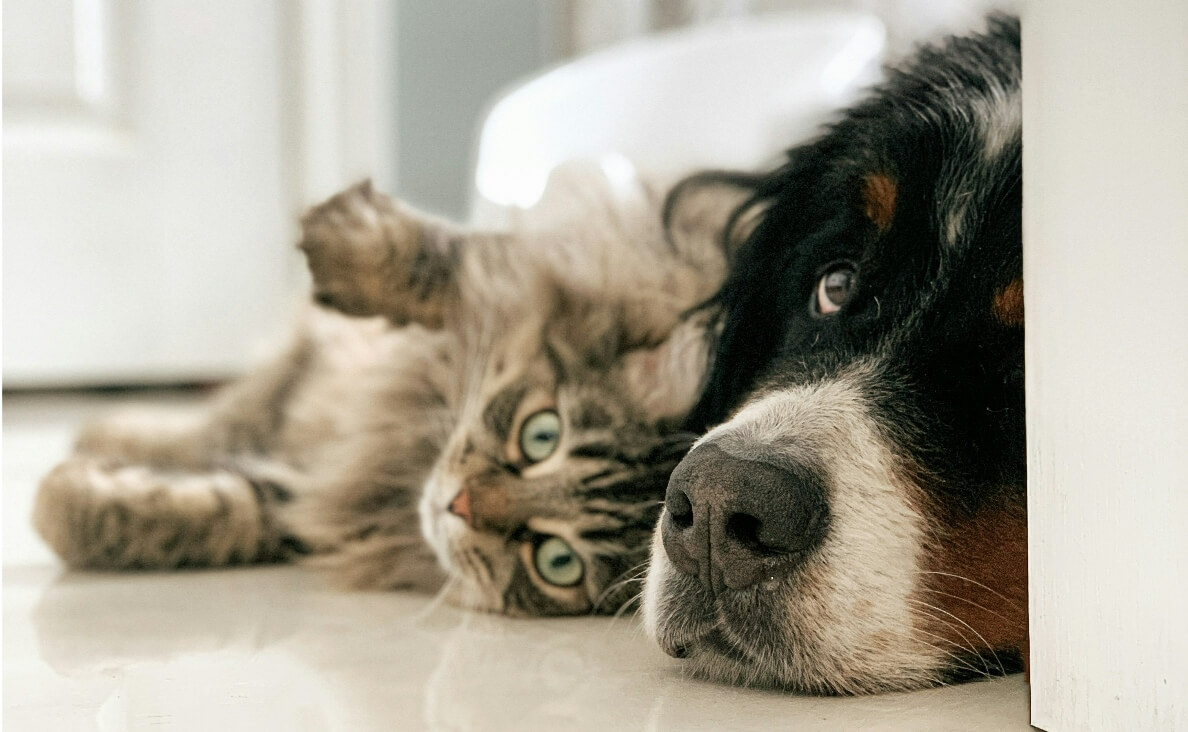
point(490, 505)
point(1008, 304)
point(977, 580)
point(878, 199)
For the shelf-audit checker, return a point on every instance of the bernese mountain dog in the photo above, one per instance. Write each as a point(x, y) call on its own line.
point(856, 520)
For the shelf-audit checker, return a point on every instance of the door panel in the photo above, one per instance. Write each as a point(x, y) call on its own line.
point(148, 213)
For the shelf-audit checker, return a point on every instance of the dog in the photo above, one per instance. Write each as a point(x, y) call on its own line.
point(856, 520)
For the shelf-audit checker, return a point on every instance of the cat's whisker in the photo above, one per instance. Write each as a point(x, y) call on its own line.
point(629, 603)
point(436, 601)
point(634, 574)
point(474, 570)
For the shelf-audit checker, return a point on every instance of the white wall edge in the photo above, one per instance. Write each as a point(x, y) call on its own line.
point(344, 94)
point(1105, 223)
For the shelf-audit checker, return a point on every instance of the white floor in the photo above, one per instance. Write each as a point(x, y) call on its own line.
point(274, 648)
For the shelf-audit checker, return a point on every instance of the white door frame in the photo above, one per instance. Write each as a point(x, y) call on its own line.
point(157, 157)
point(345, 94)
point(1105, 112)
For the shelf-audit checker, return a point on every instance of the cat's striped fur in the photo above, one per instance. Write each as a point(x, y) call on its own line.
point(353, 446)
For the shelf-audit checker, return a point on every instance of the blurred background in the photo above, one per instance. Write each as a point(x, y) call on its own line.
point(157, 154)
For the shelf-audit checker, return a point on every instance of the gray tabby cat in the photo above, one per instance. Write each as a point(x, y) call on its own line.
point(501, 410)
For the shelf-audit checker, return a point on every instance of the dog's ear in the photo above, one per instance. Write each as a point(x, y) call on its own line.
point(371, 255)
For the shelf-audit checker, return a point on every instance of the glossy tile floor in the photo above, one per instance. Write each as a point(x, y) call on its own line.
point(275, 648)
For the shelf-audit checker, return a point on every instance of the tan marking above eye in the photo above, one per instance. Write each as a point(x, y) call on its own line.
point(879, 192)
point(1008, 304)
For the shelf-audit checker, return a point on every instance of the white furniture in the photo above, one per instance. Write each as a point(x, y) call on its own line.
point(733, 93)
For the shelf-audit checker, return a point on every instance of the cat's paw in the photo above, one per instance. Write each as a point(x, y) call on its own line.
point(354, 243)
point(95, 513)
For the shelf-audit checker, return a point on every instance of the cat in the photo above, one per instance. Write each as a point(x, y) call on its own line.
point(492, 412)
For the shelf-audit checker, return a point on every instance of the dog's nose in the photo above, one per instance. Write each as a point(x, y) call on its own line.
point(735, 522)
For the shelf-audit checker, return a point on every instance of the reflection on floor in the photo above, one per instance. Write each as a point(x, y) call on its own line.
point(276, 648)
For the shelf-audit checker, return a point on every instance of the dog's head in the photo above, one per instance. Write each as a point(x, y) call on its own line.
point(857, 524)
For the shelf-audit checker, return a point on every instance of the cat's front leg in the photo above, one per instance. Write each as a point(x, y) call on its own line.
point(372, 255)
point(99, 513)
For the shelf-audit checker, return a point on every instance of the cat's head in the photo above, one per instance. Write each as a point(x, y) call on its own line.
point(576, 362)
point(545, 495)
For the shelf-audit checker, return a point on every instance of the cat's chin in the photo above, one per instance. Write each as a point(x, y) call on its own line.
point(448, 536)
point(440, 528)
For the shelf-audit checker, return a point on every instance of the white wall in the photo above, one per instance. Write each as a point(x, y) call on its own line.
point(452, 58)
point(1106, 264)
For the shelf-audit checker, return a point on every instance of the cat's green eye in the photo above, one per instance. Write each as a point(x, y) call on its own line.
point(557, 563)
point(540, 435)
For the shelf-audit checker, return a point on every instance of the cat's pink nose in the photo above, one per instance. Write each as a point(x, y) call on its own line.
point(460, 506)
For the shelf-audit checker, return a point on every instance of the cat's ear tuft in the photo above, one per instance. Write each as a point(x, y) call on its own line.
point(607, 191)
point(706, 215)
point(665, 380)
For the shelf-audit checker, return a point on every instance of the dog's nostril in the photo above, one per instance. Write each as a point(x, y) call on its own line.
point(744, 529)
point(680, 509)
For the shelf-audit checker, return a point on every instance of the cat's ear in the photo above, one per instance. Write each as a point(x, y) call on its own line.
point(666, 380)
point(372, 255)
point(706, 215)
point(609, 190)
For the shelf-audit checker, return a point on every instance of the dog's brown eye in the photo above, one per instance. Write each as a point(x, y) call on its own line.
point(834, 289)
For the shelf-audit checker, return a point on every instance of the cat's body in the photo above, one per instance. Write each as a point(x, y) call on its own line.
point(228, 482)
point(503, 410)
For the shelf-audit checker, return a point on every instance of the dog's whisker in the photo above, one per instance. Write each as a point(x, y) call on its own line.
point(985, 643)
point(959, 661)
point(966, 647)
point(962, 661)
point(1004, 598)
point(967, 601)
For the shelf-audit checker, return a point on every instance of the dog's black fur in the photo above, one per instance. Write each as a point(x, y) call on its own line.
point(917, 190)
